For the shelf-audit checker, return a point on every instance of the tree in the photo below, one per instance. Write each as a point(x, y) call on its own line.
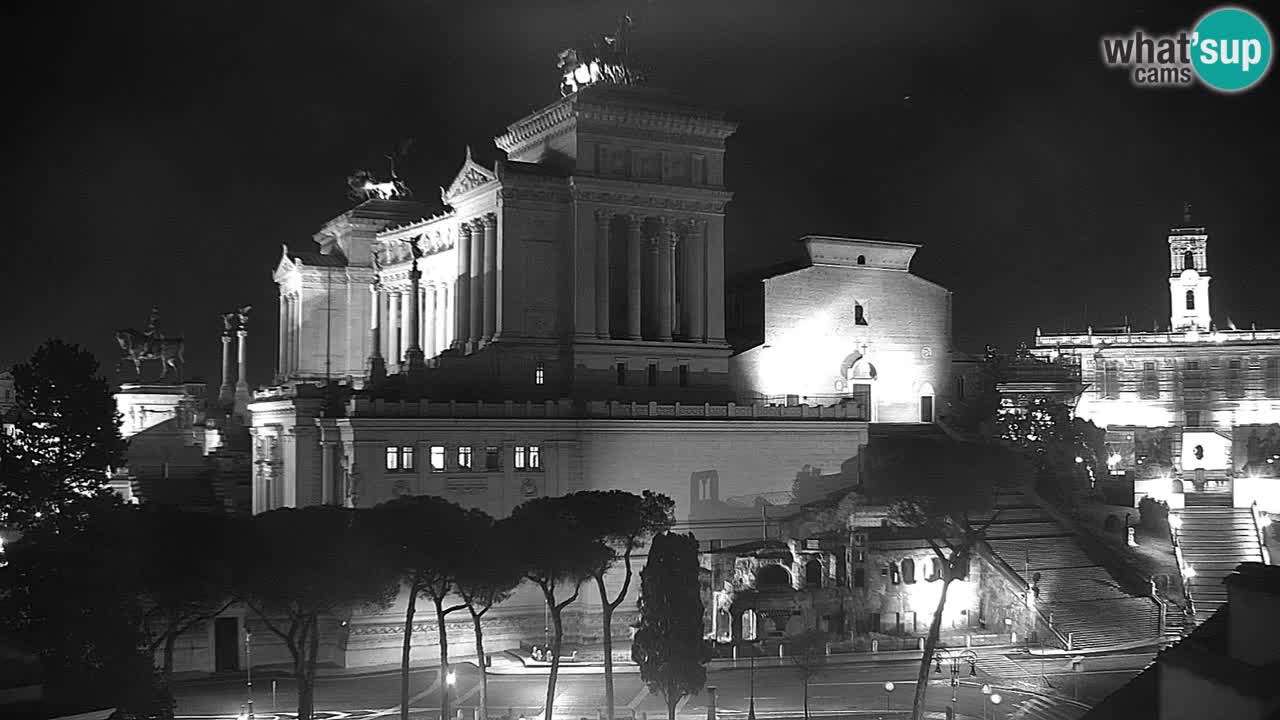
point(554, 553)
point(304, 564)
point(622, 522)
point(668, 644)
point(426, 541)
point(70, 591)
point(185, 575)
point(65, 437)
point(809, 656)
point(938, 485)
point(484, 584)
point(1045, 430)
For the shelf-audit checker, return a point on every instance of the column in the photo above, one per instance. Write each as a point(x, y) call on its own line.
point(430, 334)
point(666, 279)
point(633, 276)
point(393, 329)
point(281, 351)
point(651, 325)
point(461, 288)
point(490, 277)
point(328, 488)
point(475, 329)
point(715, 280)
point(402, 320)
point(694, 270)
point(242, 361)
point(603, 218)
point(225, 392)
point(386, 328)
point(295, 324)
point(377, 369)
point(444, 321)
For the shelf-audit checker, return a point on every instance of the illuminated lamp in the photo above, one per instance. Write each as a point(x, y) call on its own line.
point(1079, 459)
point(1189, 572)
point(1175, 521)
point(995, 698)
point(1114, 459)
point(582, 74)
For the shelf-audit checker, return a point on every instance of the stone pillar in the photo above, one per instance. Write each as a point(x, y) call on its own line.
point(694, 294)
point(490, 328)
point(403, 306)
point(652, 306)
point(293, 333)
point(377, 370)
point(667, 241)
point(603, 219)
point(282, 351)
point(394, 353)
point(475, 329)
point(226, 393)
point(715, 280)
point(414, 360)
point(430, 339)
point(242, 383)
point(444, 321)
point(462, 289)
point(328, 487)
point(634, 276)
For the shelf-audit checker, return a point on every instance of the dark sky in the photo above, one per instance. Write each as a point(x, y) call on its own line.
point(160, 152)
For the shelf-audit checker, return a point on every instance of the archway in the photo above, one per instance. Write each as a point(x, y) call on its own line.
point(926, 403)
point(773, 577)
point(813, 573)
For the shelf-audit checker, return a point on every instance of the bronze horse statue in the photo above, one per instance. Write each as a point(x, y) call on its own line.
point(139, 347)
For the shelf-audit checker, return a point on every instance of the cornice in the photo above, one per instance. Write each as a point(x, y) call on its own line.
point(703, 202)
point(534, 125)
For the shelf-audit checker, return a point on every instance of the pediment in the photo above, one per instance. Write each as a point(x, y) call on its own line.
point(285, 267)
point(471, 176)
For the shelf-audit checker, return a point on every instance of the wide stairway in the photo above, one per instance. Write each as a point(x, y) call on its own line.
point(1082, 599)
point(1215, 537)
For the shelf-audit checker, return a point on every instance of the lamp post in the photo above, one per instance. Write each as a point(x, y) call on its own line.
point(450, 677)
point(751, 704)
point(995, 698)
point(248, 668)
point(888, 696)
point(986, 699)
point(955, 660)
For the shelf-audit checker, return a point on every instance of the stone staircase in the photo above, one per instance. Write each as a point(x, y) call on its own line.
point(1214, 538)
point(1080, 597)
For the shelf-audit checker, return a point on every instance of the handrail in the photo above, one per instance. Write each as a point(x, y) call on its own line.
point(1182, 573)
point(985, 551)
point(1262, 537)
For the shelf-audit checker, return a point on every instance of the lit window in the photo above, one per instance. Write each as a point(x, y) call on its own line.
point(464, 458)
point(528, 457)
point(491, 456)
point(535, 457)
point(437, 457)
point(406, 458)
point(522, 457)
point(393, 458)
point(894, 576)
point(539, 374)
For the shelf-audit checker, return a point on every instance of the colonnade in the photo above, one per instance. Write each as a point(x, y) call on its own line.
point(392, 318)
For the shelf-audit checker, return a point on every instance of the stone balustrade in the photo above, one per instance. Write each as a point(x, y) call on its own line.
point(567, 409)
point(1157, 338)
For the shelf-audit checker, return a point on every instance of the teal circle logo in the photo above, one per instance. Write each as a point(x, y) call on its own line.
point(1231, 49)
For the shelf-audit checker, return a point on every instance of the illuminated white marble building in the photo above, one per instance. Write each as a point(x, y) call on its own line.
point(1195, 403)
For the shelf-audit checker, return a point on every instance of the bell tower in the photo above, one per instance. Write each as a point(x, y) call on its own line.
point(1188, 275)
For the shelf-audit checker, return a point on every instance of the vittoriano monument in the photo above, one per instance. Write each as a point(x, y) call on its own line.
point(151, 344)
point(605, 59)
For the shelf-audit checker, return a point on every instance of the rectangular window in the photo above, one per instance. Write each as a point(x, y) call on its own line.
point(621, 369)
point(1193, 418)
point(528, 457)
point(491, 458)
point(1150, 381)
point(653, 374)
point(539, 374)
point(1273, 377)
point(406, 458)
point(522, 457)
point(437, 458)
point(464, 458)
point(393, 457)
point(535, 457)
point(859, 577)
point(1235, 385)
point(684, 376)
point(1112, 378)
point(960, 388)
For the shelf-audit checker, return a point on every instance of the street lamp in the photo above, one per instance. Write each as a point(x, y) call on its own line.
point(955, 660)
point(450, 678)
point(888, 696)
point(248, 668)
point(986, 697)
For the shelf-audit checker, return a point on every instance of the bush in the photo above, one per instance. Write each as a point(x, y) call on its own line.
point(1154, 513)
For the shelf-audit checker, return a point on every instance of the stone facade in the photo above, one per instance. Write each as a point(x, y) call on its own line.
point(1202, 383)
point(852, 322)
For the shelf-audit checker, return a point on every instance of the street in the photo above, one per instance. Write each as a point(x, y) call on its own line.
point(840, 689)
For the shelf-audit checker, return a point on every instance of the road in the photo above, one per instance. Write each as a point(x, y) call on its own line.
point(840, 689)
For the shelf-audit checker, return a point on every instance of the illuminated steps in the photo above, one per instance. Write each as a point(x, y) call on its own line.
point(1214, 540)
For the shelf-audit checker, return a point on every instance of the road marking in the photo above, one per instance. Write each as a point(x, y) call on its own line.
point(640, 696)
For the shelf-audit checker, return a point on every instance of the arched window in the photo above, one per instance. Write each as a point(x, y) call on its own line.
point(935, 570)
point(1191, 300)
point(813, 574)
point(859, 316)
point(895, 576)
point(908, 571)
point(862, 259)
point(1188, 260)
point(773, 577)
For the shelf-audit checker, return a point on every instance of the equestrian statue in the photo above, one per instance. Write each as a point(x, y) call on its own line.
point(139, 347)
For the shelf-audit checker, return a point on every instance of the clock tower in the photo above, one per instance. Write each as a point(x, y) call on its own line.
point(1188, 276)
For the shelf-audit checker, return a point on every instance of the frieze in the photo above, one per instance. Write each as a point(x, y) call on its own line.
point(532, 195)
point(696, 142)
point(715, 207)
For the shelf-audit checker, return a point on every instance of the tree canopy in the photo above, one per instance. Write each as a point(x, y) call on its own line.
point(668, 644)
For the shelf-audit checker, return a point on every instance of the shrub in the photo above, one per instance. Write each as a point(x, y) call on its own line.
point(1154, 513)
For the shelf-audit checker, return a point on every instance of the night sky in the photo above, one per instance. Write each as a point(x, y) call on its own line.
point(160, 152)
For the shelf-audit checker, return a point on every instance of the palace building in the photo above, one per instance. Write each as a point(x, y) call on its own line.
point(559, 324)
point(1194, 408)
